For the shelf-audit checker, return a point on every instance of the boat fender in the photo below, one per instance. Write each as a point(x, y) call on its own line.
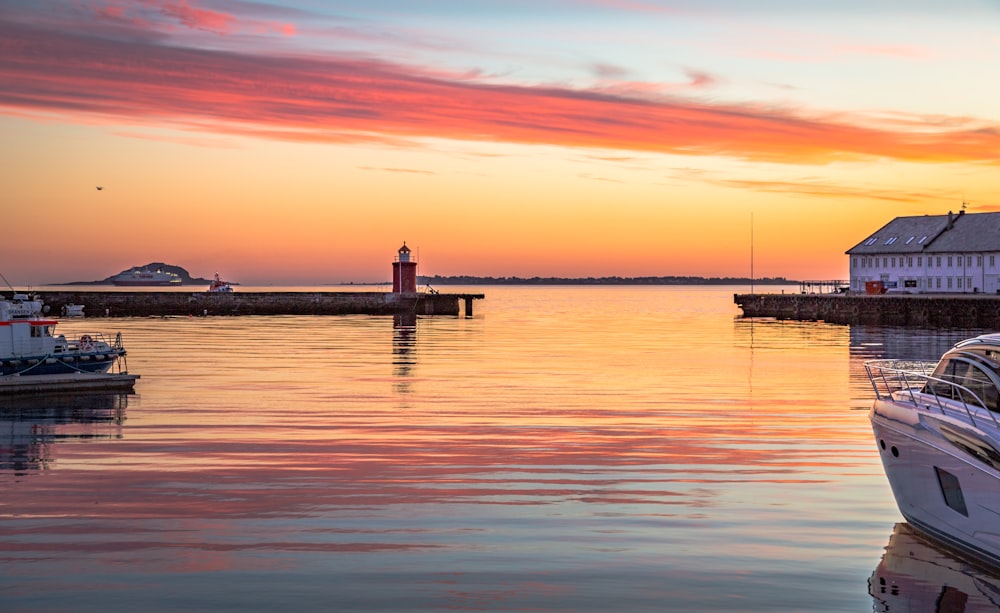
point(86, 343)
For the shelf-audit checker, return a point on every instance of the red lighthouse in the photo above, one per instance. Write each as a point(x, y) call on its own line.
point(404, 273)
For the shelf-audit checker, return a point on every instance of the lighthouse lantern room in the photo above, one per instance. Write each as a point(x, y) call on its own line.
point(404, 272)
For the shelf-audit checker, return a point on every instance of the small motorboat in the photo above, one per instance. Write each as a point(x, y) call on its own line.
point(219, 286)
point(73, 310)
point(30, 349)
point(937, 428)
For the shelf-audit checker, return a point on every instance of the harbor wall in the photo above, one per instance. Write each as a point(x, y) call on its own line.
point(173, 303)
point(931, 311)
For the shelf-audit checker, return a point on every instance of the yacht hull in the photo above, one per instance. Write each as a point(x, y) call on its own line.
point(944, 476)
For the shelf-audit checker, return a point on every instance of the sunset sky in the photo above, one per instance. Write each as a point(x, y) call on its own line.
point(302, 142)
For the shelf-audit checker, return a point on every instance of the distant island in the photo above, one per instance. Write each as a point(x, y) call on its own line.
point(185, 277)
point(672, 280)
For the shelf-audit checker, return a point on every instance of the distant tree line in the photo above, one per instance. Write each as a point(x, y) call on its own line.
point(470, 280)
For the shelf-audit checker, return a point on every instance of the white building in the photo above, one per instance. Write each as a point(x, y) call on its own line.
point(953, 253)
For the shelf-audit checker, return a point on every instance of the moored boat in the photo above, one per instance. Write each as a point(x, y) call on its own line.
point(30, 349)
point(145, 277)
point(937, 427)
point(219, 286)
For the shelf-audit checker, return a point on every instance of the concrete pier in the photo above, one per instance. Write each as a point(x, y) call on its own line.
point(917, 310)
point(174, 303)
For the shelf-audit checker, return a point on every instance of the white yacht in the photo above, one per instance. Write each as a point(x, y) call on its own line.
point(937, 427)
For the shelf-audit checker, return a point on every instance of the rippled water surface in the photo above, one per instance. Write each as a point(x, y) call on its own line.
point(566, 449)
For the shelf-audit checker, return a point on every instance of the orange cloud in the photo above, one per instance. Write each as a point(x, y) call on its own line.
point(338, 99)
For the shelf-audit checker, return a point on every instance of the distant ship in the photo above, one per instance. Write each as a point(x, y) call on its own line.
point(219, 286)
point(138, 276)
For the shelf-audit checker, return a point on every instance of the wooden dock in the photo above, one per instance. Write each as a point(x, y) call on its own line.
point(200, 303)
point(72, 382)
point(914, 310)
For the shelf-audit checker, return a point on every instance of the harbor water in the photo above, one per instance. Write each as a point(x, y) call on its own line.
point(571, 448)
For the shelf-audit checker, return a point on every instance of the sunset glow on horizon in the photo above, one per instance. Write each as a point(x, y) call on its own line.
point(302, 142)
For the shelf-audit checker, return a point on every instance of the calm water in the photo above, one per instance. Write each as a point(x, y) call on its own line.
point(567, 449)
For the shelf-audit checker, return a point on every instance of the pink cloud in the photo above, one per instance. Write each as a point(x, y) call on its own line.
point(345, 98)
point(199, 19)
point(167, 14)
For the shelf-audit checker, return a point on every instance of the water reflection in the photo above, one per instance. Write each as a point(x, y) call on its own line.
point(31, 425)
point(404, 346)
point(916, 574)
point(874, 342)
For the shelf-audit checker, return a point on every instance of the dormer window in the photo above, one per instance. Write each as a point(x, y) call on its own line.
point(891, 240)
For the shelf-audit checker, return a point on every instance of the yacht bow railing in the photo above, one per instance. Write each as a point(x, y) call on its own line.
point(902, 381)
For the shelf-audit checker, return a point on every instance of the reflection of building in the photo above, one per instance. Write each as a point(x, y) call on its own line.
point(930, 253)
point(882, 342)
point(31, 425)
point(917, 574)
point(404, 346)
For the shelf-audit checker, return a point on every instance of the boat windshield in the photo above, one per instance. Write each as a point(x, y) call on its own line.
point(41, 331)
point(969, 375)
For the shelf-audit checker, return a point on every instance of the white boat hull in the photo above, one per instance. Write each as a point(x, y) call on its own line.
point(942, 475)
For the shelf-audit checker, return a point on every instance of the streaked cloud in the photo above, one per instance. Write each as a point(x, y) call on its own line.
point(348, 98)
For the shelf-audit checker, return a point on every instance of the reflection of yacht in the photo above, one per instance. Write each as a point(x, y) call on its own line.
point(917, 574)
point(938, 432)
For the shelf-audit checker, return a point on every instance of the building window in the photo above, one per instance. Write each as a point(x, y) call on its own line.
point(885, 262)
point(949, 282)
point(938, 283)
point(871, 241)
point(910, 240)
point(920, 261)
point(993, 261)
point(938, 263)
point(893, 262)
point(921, 241)
point(958, 282)
point(909, 262)
point(891, 240)
point(968, 282)
point(950, 261)
point(979, 261)
point(968, 261)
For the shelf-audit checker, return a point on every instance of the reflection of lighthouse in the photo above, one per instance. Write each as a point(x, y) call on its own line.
point(404, 273)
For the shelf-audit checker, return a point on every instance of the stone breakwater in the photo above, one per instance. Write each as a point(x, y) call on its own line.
point(174, 303)
point(932, 311)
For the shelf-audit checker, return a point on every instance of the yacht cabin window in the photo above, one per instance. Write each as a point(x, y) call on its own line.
point(969, 376)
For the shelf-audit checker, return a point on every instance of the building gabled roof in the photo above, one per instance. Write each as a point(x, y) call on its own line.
point(973, 232)
point(951, 233)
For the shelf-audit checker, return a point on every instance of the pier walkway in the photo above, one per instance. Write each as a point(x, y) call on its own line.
point(917, 310)
point(164, 303)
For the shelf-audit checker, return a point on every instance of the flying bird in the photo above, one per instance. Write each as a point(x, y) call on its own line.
point(99, 188)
